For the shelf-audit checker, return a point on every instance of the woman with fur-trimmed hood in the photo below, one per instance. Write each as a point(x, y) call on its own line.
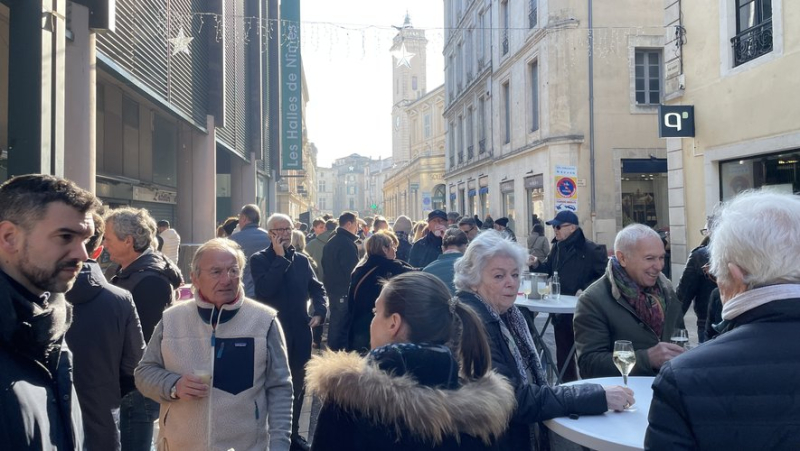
point(427, 384)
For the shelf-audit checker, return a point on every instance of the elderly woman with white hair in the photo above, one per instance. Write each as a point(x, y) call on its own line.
point(739, 390)
point(487, 279)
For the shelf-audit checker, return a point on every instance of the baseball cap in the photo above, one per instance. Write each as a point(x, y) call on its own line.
point(564, 217)
point(437, 214)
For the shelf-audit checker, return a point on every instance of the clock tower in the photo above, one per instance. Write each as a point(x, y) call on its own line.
point(408, 83)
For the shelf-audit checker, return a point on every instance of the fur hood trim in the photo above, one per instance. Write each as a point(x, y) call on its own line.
point(480, 408)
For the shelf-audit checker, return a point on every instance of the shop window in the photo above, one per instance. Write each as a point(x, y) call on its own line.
point(778, 171)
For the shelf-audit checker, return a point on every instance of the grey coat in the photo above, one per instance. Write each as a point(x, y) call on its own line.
point(538, 246)
point(252, 239)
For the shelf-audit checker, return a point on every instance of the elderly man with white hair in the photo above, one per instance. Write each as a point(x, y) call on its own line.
point(739, 390)
point(633, 301)
point(285, 280)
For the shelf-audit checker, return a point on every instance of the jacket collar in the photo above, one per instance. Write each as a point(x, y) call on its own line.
point(89, 283)
point(345, 233)
point(356, 384)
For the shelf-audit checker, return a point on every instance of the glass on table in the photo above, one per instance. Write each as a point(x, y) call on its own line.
point(680, 337)
point(624, 358)
point(525, 284)
point(543, 288)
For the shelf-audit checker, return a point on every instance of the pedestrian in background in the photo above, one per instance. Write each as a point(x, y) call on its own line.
point(172, 241)
point(454, 244)
point(402, 230)
point(251, 238)
point(339, 258)
point(427, 249)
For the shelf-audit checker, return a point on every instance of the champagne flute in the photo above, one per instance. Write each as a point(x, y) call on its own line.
point(525, 284)
point(543, 289)
point(680, 337)
point(624, 358)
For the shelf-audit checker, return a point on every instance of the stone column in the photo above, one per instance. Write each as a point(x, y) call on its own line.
point(243, 182)
point(204, 183)
point(80, 91)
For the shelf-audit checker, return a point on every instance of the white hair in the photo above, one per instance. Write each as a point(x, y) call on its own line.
point(627, 238)
point(758, 231)
point(484, 247)
point(278, 217)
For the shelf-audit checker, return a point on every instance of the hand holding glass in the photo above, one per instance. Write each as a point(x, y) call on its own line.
point(624, 358)
point(680, 337)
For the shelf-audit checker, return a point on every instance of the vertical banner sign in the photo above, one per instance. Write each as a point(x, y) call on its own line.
point(566, 188)
point(291, 87)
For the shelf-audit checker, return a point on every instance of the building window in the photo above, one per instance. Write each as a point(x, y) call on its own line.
point(427, 125)
point(479, 44)
point(322, 204)
point(460, 139)
point(506, 113)
point(414, 82)
point(459, 67)
point(648, 77)
point(753, 30)
point(533, 7)
point(165, 153)
point(534, 71)
point(452, 143)
point(481, 125)
point(469, 131)
point(322, 187)
point(504, 19)
point(468, 55)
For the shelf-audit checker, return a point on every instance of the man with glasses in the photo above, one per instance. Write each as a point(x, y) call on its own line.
point(217, 364)
point(470, 227)
point(579, 262)
point(285, 280)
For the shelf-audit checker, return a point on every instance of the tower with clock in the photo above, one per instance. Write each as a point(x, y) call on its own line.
point(408, 83)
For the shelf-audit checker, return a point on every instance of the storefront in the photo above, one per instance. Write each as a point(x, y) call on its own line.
point(509, 210)
point(116, 192)
point(483, 196)
point(472, 193)
point(534, 194)
point(778, 171)
point(644, 192)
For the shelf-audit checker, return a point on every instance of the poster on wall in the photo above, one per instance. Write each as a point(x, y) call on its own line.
point(566, 188)
point(737, 176)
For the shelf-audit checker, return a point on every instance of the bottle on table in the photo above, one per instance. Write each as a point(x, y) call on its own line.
point(555, 286)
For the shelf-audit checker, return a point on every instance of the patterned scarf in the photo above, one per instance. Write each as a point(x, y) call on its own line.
point(648, 303)
point(519, 341)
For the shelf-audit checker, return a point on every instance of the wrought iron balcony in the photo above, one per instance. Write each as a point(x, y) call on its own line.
point(752, 43)
point(482, 146)
point(470, 152)
point(505, 42)
point(460, 157)
point(532, 16)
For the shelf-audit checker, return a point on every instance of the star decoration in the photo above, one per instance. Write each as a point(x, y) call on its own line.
point(180, 43)
point(403, 56)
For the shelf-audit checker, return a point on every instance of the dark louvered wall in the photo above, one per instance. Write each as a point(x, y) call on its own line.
point(234, 134)
point(140, 46)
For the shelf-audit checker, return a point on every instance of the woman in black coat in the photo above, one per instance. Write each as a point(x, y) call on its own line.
point(427, 384)
point(379, 264)
point(696, 285)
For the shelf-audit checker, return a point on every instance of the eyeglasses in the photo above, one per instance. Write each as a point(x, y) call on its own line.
point(704, 232)
point(233, 273)
point(560, 226)
point(283, 230)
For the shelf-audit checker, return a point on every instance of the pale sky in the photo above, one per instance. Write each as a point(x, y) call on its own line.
point(348, 67)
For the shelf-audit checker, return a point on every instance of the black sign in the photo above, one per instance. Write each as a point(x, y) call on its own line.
point(675, 121)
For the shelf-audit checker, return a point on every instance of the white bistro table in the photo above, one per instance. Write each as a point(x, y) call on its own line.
point(613, 431)
point(564, 304)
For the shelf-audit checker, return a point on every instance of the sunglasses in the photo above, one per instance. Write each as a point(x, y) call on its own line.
point(558, 227)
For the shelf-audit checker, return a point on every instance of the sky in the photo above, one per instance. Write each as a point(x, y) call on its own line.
point(348, 68)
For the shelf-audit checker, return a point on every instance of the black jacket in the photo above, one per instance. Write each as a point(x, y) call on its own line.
point(579, 262)
point(737, 391)
point(38, 406)
point(408, 399)
point(285, 284)
point(534, 403)
point(107, 343)
point(360, 305)
point(151, 279)
point(695, 285)
point(403, 248)
point(339, 257)
point(425, 251)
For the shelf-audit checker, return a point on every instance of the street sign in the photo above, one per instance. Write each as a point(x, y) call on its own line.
point(675, 121)
point(566, 188)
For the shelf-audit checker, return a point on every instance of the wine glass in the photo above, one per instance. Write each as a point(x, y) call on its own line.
point(680, 337)
point(525, 284)
point(543, 289)
point(624, 358)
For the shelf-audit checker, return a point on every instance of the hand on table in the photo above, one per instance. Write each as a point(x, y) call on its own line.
point(190, 386)
point(619, 398)
point(663, 352)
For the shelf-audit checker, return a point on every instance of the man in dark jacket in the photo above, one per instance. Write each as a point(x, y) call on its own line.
point(44, 221)
point(251, 238)
point(696, 284)
point(579, 262)
point(338, 260)
point(284, 280)
point(151, 278)
point(428, 249)
point(739, 390)
point(107, 343)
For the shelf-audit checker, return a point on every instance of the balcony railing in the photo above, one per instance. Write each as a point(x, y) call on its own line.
point(752, 43)
point(532, 16)
point(505, 42)
point(452, 161)
point(482, 146)
point(470, 152)
point(460, 157)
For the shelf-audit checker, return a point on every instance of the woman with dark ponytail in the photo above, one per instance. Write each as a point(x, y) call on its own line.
point(427, 383)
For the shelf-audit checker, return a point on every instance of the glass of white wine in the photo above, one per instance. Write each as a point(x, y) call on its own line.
point(525, 284)
point(543, 289)
point(680, 337)
point(624, 358)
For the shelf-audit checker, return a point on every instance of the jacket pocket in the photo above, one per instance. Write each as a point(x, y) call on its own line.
point(234, 364)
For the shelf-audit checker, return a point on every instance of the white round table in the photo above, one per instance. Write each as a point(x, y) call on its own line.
point(611, 430)
point(564, 304)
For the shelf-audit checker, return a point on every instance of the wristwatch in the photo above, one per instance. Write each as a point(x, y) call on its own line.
point(173, 392)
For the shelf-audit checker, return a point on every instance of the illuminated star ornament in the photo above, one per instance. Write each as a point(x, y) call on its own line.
point(180, 43)
point(403, 56)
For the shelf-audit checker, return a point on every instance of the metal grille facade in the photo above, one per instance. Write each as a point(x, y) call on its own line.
point(237, 32)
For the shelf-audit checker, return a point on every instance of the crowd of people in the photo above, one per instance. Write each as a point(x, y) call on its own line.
point(421, 345)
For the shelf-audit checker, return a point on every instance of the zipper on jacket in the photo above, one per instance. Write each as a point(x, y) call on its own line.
point(255, 403)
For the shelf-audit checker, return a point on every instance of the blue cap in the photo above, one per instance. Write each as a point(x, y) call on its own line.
point(564, 217)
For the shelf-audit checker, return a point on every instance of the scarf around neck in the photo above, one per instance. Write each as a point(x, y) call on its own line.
point(649, 303)
point(519, 341)
point(757, 297)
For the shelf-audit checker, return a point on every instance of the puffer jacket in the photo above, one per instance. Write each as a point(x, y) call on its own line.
point(579, 262)
point(38, 406)
point(534, 403)
point(405, 398)
point(152, 280)
point(603, 316)
point(737, 391)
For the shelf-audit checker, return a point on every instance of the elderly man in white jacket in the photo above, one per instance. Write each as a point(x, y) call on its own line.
point(218, 364)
